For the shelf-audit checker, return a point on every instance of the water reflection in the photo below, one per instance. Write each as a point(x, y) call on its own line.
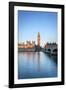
point(36, 65)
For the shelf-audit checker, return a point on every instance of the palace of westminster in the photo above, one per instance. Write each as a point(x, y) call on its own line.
point(30, 44)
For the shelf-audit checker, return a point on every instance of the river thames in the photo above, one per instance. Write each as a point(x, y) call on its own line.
point(36, 65)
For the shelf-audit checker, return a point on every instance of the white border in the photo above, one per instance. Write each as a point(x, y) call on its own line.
point(23, 81)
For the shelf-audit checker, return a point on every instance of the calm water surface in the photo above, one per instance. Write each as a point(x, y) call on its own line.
point(36, 65)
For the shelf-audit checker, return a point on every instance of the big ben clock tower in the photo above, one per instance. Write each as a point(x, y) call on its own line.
point(38, 39)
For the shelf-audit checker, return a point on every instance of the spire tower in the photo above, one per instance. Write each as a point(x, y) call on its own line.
point(38, 39)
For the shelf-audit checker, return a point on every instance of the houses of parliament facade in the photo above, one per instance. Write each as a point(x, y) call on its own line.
point(30, 44)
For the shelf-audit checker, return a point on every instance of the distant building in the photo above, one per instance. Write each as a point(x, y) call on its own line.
point(30, 44)
point(38, 39)
point(51, 48)
point(27, 45)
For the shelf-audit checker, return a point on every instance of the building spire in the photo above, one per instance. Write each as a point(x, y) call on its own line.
point(38, 39)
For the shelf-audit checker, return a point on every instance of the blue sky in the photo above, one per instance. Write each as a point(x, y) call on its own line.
point(32, 22)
